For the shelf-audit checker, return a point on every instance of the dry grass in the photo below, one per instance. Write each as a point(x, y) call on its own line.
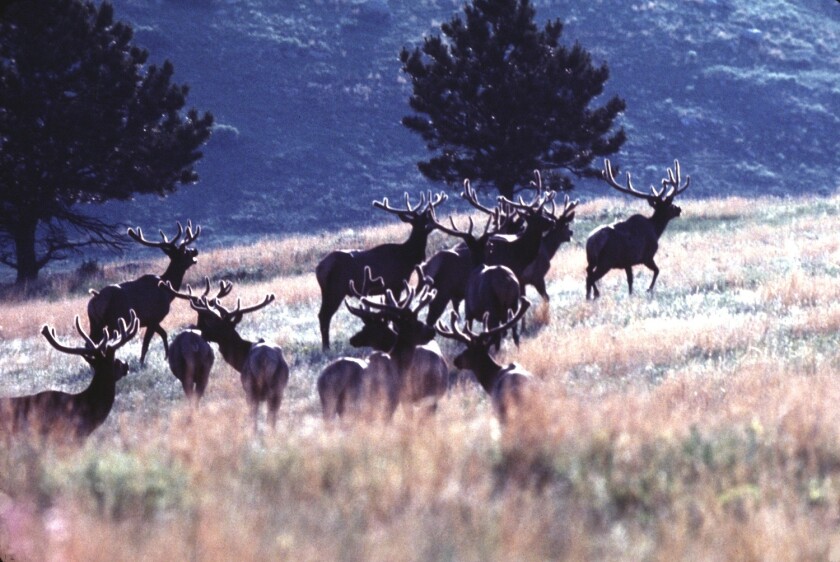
point(700, 422)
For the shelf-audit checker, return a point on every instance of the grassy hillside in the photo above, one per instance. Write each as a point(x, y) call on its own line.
point(310, 97)
point(700, 422)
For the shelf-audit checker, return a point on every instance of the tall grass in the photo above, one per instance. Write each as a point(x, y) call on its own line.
point(697, 422)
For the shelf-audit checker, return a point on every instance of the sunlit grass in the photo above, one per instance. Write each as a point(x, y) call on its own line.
point(700, 421)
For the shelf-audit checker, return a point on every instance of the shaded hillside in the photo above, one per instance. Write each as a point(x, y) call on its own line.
point(309, 96)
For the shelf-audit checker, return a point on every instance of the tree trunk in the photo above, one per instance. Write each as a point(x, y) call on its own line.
point(27, 262)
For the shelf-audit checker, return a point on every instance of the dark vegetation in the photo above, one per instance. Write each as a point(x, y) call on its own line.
point(84, 118)
point(495, 98)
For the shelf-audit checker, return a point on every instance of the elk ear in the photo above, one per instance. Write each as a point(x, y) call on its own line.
point(652, 201)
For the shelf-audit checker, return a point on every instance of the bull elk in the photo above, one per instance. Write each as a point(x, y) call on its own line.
point(490, 290)
point(505, 385)
point(392, 325)
point(263, 370)
point(560, 231)
point(366, 388)
point(190, 356)
point(190, 359)
point(518, 250)
point(392, 262)
point(144, 295)
point(622, 245)
point(62, 414)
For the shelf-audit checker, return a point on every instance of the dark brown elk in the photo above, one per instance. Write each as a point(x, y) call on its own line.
point(561, 231)
point(190, 360)
point(263, 370)
point(393, 262)
point(490, 290)
point(517, 251)
point(622, 245)
point(362, 387)
point(392, 325)
point(506, 385)
point(144, 295)
point(74, 416)
point(450, 268)
point(190, 356)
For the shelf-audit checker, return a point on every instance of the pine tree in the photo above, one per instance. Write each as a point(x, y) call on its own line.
point(496, 98)
point(83, 119)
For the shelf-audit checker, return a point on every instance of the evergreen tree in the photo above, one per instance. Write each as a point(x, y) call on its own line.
point(496, 98)
point(83, 119)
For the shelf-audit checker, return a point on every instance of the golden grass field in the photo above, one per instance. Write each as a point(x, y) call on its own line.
point(701, 422)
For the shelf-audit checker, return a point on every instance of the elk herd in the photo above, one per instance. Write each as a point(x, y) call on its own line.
point(399, 294)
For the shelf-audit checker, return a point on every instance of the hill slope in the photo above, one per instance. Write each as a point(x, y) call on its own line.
point(309, 96)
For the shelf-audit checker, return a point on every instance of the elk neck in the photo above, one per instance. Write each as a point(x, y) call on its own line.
point(175, 275)
point(235, 349)
point(660, 219)
point(100, 393)
point(486, 371)
point(414, 246)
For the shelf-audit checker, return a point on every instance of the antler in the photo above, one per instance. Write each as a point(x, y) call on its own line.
point(369, 284)
point(609, 176)
point(541, 197)
point(191, 235)
point(109, 342)
point(471, 197)
point(225, 288)
point(410, 211)
point(235, 316)
point(673, 182)
point(466, 335)
point(410, 303)
point(670, 185)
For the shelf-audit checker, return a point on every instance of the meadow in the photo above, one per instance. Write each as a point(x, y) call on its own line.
point(698, 422)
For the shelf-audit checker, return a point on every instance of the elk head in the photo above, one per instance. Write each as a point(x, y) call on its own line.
point(100, 355)
point(476, 356)
point(402, 312)
point(662, 199)
point(418, 216)
point(177, 249)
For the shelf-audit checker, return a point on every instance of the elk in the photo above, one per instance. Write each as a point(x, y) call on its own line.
point(190, 360)
point(393, 262)
point(190, 356)
point(450, 268)
point(560, 231)
point(490, 290)
point(144, 295)
point(361, 387)
point(263, 370)
point(393, 326)
point(622, 245)
point(75, 416)
point(517, 251)
point(506, 385)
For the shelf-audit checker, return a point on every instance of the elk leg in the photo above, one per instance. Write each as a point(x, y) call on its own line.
point(436, 308)
point(592, 276)
point(147, 338)
point(539, 285)
point(274, 405)
point(653, 267)
point(201, 386)
point(186, 383)
point(629, 272)
point(325, 314)
point(254, 406)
